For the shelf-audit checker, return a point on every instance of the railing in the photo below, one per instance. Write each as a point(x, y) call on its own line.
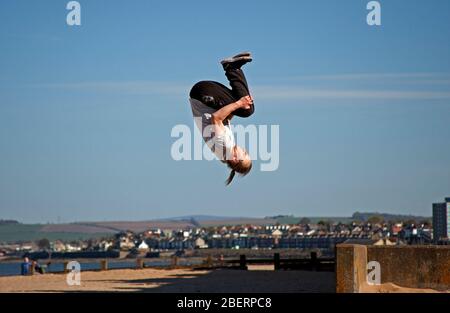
point(308, 264)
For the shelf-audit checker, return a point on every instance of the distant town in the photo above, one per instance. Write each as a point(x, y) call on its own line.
point(293, 233)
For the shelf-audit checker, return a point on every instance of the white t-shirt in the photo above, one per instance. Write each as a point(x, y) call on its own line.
point(220, 143)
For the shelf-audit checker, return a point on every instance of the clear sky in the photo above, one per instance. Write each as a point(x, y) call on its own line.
point(86, 111)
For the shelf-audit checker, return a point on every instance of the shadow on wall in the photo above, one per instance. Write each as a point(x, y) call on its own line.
point(416, 267)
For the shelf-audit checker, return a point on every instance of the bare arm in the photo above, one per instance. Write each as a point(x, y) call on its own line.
point(220, 115)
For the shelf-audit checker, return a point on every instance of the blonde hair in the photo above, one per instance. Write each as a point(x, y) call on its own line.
point(243, 167)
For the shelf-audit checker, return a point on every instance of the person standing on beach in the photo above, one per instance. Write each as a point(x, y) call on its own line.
point(25, 266)
point(214, 105)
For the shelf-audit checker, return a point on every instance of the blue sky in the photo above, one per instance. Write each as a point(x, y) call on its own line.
point(86, 112)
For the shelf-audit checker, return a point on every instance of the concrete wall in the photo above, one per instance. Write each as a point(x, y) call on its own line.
point(413, 266)
point(351, 263)
point(405, 266)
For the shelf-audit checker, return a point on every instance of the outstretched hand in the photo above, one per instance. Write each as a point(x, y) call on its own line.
point(245, 102)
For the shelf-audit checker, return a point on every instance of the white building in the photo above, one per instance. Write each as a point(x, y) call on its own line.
point(143, 246)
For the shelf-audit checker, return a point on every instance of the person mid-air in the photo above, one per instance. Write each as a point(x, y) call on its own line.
point(214, 105)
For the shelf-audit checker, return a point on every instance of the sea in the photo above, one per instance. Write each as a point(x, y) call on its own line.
point(12, 268)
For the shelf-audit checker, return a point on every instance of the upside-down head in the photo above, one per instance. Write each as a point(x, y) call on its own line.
point(240, 162)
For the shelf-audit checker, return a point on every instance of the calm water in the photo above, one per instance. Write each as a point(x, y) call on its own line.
point(13, 268)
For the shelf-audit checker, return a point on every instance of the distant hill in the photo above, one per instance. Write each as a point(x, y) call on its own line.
point(212, 220)
point(388, 217)
point(12, 231)
point(85, 230)
point(290, 219)
point(238, 221)
point(357, 216)
point(8, 222)
point(198, 218)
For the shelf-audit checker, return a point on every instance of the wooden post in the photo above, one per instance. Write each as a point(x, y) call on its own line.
point(243, 262)
point(314, 261)
point(65, 263)
point(335, 258)
point(276, 262)
point(209, 261)
point(174, 261)
point(139, 264)
point(104, 265)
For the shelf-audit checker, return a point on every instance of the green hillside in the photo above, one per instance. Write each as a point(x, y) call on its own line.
point(31, 232)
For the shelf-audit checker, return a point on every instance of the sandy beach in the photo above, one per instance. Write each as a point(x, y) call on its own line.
point(256, 279)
